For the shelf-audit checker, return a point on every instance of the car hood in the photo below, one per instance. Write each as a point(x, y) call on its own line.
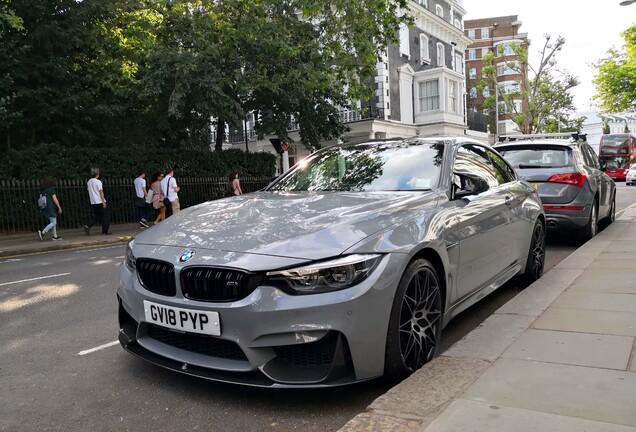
point(302, 225)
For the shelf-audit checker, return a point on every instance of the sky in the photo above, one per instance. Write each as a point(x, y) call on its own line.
point(589, 30)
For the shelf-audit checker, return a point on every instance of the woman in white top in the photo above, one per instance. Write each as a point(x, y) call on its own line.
point(235, 184)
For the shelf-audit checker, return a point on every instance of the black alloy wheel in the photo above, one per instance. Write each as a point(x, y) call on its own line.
point(416, 320)
point(535, 263)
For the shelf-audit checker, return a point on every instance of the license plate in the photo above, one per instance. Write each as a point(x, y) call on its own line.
point(187, 320)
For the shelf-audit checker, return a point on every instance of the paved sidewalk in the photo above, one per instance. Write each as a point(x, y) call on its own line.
point(560, 356)
point(20, 244)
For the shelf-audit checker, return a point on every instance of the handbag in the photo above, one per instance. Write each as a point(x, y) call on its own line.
point(166, 202)
point(149, 196)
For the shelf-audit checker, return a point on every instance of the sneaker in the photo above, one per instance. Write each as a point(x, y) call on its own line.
point(40, 235)
point(57, 238)
point(87, 230)
point(143, 224)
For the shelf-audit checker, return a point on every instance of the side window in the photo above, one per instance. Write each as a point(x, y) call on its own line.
point(592, 156)
point(473, 160)
point(505, 174)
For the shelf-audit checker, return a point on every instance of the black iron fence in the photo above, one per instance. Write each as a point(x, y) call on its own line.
point(19, 211)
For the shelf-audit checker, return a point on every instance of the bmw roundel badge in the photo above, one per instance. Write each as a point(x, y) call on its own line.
point(186, 256)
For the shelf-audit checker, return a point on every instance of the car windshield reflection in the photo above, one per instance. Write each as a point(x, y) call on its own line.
point(390, 166)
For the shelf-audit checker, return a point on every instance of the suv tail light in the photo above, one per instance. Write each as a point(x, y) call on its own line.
point(574, 179)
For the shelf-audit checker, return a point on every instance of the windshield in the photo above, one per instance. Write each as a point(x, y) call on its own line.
point(386, 166)
point(612, 163)
point(537, 157)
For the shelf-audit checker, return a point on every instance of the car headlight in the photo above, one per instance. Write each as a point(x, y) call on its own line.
point(130, 260)
point(325, 276)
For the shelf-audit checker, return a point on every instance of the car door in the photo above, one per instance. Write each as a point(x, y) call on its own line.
point(600, 179)
point(484, 223)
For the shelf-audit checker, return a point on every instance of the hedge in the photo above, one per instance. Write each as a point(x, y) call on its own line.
point(70, 163)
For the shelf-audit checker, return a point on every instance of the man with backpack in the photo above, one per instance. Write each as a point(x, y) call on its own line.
point(49, 207)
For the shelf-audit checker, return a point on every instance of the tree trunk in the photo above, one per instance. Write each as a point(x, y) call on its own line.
point(220, 133)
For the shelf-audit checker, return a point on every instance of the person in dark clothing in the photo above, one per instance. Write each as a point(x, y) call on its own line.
point(49, 207)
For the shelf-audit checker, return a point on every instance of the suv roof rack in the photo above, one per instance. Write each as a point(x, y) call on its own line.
point(572, 136)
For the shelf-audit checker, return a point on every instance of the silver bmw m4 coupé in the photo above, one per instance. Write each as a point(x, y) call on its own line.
point(345, 268)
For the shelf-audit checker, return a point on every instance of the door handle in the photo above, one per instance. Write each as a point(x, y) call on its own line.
point(508, 200)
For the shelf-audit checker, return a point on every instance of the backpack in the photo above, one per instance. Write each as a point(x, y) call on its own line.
point(42, 202)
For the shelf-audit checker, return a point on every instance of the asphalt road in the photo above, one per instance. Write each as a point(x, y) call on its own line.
point(56, 307)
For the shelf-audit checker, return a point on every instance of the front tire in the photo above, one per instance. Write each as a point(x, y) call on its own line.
point(535, 263)
point(415, 326)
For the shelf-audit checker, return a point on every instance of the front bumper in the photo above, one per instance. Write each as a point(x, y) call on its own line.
point(270, 338)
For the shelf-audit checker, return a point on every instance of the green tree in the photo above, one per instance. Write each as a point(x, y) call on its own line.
point(545, 87)
point(616, 76)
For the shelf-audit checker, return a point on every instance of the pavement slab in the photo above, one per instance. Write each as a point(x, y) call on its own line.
point(491, 338)
point(581, 349)
point(617, 281)
point(472, 416)
point(578, 299)
point(582, 258)
point(537, 297)
point(588, 393)
point(588, 321)
point(632, 360)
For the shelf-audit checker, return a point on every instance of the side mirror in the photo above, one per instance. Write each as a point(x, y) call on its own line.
point(469, 184)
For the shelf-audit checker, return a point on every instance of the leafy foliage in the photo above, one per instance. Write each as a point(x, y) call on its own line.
point(119, 73)
point(546, 88)
point(616, 76)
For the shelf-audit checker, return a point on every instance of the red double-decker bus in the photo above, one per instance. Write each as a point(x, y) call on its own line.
point(616, 154)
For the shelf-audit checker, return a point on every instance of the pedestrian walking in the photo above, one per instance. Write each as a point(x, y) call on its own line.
point(157, 197)
point(101, 212)
point(234, 186)
point(140, 198)
point(170, 190)
point(49, 207)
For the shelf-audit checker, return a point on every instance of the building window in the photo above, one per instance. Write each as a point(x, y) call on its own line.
point(439, 11)
point(423, 3)
point(459, 63)
point(424, 53)
point(512, 88)
point(472, 73)
point(486, 92)
point(429, 95)
point(484, 51)
point(473, 92)
point(485, 33)
point(517, 106)
point(508, 50)
point(471, 34)
point(458, 24)
point(472, 54)
point(441, 58)
point(404, 40)
point(452, 96)
point(500, 69)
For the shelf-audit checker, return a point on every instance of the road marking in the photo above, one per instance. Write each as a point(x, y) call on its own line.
point(11, 260)
point(34, 279)
point(101, 347)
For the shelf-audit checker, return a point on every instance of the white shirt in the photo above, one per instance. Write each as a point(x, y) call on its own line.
point(171, 195)
point(140, 184)
point(94, 186)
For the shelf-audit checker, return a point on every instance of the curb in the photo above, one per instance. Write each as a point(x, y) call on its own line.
point(58, 247)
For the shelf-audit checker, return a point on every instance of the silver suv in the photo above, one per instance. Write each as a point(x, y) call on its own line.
point(575, 193)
